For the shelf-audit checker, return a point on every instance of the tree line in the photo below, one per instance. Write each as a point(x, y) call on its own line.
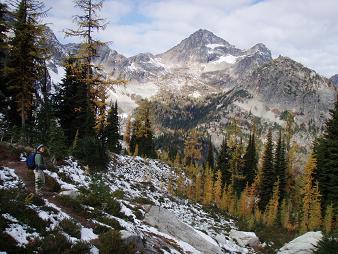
point(263, 188)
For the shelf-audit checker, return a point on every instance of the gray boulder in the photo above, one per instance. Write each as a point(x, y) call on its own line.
point(304, 244)
point(168, 223)
point(245, 238)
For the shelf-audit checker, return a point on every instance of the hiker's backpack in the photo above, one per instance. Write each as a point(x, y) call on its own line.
point(30, 161)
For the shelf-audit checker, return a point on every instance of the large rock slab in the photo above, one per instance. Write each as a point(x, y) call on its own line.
point(168, 223)
point(304, 244)
point(244, 238)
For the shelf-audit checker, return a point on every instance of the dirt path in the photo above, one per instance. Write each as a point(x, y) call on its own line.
point(27, 176)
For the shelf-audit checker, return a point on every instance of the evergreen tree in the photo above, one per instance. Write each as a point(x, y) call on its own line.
point(210, 156)
point(250, 160)
point(223, 162)
point(280, 165)
point(73, 103)
point(112, 130)
point(142, 133)
point(236, 168)
point(148, 141)
point(25, 64)
point(87, 23)
point(127, 134)
point(56, 141)
point(268, 177)
point(326, 153)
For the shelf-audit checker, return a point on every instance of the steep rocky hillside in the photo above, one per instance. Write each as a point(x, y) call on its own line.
point(142, 211)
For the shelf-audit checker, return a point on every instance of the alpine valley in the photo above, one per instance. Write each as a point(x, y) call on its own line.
point(205, 82)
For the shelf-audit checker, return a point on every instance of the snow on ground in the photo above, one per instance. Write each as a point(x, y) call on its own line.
point(87, 234)
point(214, 45)
point(128, 95)
point(230, 59)
point(137, 178)
point(57, 76)
point(8, 179)
point(20, 234)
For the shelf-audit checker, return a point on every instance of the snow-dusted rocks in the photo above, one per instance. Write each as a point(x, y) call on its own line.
point(8, 178)
point(245, 238)
point(70, 193)
point(132, 238)
point(168, 223)
point(304, 244)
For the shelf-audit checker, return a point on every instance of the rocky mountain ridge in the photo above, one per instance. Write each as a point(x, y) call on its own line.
point(207, 73)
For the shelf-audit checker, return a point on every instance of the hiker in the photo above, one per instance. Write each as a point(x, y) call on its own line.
point(39, 167)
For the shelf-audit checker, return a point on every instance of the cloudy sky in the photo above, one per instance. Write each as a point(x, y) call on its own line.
point(305, 30)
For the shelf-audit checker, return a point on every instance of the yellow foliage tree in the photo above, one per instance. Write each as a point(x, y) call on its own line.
point(218, 188)
point(328, 219)
point(243, 202)
point(225, 199)
point(208, 186)
point(270, 214)
point(232, 200)
point(307, 193)
point(181, 184)
point(315, 218)
point(198, 187)
point(170, 187)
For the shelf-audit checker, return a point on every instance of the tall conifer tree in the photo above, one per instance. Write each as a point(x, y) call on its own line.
point(210, 156)
point(326, 153)
point(280, 165)
point(223, 161)
point(268, 176)
point(26, 56)
point(112, 130)
point(250, 160)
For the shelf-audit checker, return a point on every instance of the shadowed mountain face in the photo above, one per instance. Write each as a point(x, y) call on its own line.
point(334, 79)
point(204, 81)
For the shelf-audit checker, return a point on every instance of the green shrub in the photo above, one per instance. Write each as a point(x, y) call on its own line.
point(100, 229)
point(80, 247)
point(119, 194)
point(99, 196)
point(327, 245)
point(90, 152)
point(55, 242)
point(13, 202)
point(110, 222)
point(73, 204)
point(71, 228)
point(143, 200)
point(111, 242)
point(51, 184)
point(139, 215)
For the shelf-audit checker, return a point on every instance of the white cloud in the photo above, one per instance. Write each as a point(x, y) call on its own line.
point(305, 30)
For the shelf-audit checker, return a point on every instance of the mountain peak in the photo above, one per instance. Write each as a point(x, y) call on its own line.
point(203, 37)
